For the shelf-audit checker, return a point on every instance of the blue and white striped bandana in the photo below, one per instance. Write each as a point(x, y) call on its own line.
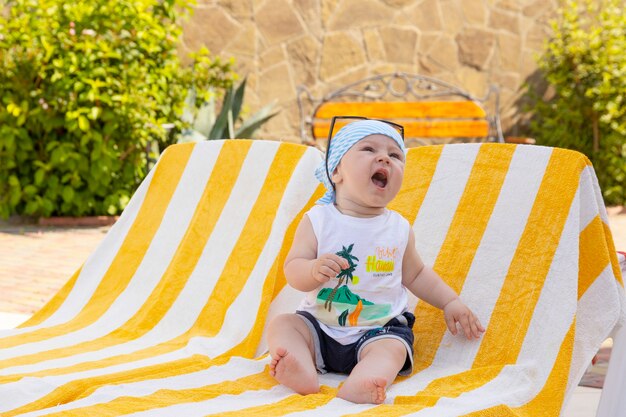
point(343, 140)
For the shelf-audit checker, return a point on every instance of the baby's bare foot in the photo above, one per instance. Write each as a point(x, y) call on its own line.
point(369, 391)
point(289, 372)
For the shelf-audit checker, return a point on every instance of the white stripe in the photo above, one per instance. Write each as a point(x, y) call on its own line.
point(590, 208)
point(595, 190)
point(602, 300)
point(441, 200)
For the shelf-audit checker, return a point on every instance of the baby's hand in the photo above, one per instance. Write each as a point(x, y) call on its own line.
point(327, 266)
point(457, 312)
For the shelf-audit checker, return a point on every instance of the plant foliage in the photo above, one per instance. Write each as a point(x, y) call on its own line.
point(84, 87)
point(204, 123)
point(585, 64)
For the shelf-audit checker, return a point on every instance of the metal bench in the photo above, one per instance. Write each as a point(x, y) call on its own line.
point(431, 111)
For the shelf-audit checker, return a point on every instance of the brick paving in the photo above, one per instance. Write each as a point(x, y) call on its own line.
point(35, 262)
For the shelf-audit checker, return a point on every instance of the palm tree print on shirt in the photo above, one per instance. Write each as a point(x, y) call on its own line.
point(345, 275)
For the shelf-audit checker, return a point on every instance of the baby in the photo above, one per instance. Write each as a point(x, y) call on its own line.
point(355, 259)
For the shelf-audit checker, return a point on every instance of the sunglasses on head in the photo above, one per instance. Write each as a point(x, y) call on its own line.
point(396, 126)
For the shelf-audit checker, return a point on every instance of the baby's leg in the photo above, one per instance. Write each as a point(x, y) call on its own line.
point(291, 347)
point(380, 362)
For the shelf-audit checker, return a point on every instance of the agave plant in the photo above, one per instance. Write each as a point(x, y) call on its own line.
point(205, 124)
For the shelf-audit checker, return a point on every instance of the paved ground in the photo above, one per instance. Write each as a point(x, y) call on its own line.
point(35, 261)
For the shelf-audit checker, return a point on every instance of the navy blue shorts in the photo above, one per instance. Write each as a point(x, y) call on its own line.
point(332, 356)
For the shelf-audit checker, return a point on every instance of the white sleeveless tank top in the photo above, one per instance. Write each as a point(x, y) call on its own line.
point(370, 292)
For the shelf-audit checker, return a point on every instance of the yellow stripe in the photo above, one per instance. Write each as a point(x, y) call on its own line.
point(167, 397)
point(593, 256)
point(450, 387)
point(130, 254)
point(462, 240)
point(53, 305)
point(420, 167)
point(291, 404)
point(550, 400)
point(532, 260)
point(617, 271)
point(181, 266)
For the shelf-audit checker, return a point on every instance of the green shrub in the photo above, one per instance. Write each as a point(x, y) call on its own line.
point(585, 65)
point(84, 87)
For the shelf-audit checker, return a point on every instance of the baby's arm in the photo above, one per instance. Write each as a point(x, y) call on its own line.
point(428, 286)
point(304, 270)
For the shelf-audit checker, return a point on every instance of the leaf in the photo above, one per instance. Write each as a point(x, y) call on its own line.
point(83, 123)
point(67, 194)
point(30, 190)
point(31, 207)
point(230, 125)
point(95, 112)
point(238, 99)
point(342, 318)
point(250, 125)
point(39, 176)
point(222, 119)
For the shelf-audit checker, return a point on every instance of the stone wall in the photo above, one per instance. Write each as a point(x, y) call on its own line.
point(325, 44)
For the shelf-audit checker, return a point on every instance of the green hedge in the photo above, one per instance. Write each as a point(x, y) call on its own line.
point(85, 85)
point(585, 65)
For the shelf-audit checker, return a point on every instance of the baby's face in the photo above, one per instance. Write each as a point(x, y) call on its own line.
point(370, 173)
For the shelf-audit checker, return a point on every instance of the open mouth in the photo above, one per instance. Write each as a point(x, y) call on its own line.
point(380, 178)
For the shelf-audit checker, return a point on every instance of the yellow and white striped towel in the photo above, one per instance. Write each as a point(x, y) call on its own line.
point(166, 317)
